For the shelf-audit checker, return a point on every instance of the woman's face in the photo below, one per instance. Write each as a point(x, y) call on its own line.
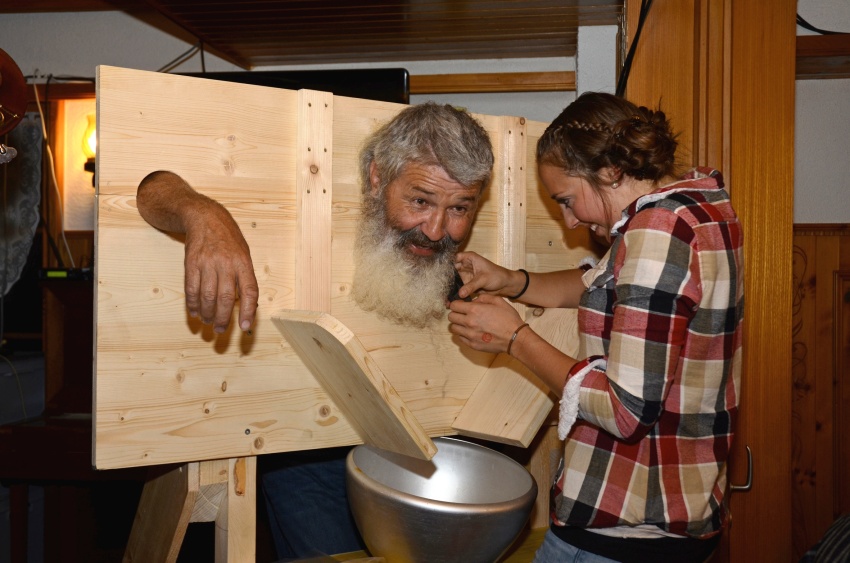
point(580, 204)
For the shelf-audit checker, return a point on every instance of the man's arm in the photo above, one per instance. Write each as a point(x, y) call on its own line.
point(218, 267)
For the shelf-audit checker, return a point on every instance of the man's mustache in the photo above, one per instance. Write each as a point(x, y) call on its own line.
point(415, 236)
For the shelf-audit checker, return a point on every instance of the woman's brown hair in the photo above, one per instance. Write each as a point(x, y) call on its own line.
point(600, 131)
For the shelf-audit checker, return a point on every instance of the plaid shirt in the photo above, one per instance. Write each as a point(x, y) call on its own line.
point(656, 398)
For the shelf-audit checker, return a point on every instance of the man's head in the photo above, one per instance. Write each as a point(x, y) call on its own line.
point(422, 176)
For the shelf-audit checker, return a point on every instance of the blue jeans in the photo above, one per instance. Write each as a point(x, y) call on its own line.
point(307, 503)
point(556, 550)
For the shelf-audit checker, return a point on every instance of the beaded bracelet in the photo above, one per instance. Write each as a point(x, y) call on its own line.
point(527, 280)
point(513, 337)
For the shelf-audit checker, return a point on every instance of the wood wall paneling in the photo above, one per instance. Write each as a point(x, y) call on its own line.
point(821, 389)
point(841, 371)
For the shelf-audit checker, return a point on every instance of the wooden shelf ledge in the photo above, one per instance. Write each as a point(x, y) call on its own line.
point(823, 56)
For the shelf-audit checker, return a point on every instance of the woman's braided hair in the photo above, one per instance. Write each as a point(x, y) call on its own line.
point(600, 131)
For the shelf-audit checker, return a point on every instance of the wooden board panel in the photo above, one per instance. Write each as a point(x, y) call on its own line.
point(431, 374)
point(170, 390)
point(820, 442)
point(812, 416)
point(347, 372)
point(167, 388)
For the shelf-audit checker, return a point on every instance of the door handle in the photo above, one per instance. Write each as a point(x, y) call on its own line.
point(749, 484)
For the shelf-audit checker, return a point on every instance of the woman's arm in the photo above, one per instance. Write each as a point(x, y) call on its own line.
point(491, 324)
point(552, 289)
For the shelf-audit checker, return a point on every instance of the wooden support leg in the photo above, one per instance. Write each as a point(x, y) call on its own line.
point(223, 491)
point(236, 523)
point(163, 515)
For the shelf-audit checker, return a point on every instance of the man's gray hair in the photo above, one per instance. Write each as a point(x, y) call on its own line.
point(429, 134)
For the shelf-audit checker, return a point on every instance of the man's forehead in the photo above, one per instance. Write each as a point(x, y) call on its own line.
point(433, 179)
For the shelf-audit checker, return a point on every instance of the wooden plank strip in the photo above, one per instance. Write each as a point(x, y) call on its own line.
point(313, 193)
point(823, 45)
point(512, 204)
point(164, 513)
point(493, 82)
point(235, 527)
point(354, 381)
point(823, 56)
point(510, 403)
point(212, 490)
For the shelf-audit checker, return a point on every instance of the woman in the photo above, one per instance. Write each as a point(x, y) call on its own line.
point(649, 406)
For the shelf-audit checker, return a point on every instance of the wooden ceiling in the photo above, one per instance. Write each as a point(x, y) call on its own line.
point(261, 33)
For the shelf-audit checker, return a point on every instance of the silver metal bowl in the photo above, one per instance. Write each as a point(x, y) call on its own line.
point(468, 504)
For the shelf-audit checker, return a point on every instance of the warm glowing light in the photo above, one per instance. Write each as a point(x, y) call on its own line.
point(90, 137)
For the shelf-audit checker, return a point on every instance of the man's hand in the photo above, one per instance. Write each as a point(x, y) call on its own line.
point(218, 267)
point(219, 271)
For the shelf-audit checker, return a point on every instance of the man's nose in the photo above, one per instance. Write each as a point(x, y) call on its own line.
point(434, 226)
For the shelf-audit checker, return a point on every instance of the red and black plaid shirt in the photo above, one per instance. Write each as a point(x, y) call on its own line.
point(662, 317)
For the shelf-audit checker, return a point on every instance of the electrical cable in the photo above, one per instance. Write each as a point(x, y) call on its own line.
point(804, 24)
point(203, 62)
point(52, 168)
point(181, 59)
point(45, 216)
point(627, 64)
point(20, 387)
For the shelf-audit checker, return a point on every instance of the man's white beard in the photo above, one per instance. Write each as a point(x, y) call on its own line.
point(399, 286)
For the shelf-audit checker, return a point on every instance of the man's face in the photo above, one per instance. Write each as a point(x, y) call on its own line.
point(406, 244)
point(428, 209)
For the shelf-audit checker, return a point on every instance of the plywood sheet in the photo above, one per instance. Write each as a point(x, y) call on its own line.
point(167, 389)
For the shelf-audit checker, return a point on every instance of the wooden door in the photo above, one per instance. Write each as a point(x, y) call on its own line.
point(724, 71)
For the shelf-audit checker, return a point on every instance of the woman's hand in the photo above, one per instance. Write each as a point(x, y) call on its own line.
point(483, 276)
point(485, 324)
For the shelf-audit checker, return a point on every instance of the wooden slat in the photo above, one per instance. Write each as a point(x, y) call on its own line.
point(510, 403)
point(355, 382)
point(314, 194)
point(419, 84)
point(235, 526)
point(823, 56)
point(163, 515)
point(213, 477)
point(493, 82)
